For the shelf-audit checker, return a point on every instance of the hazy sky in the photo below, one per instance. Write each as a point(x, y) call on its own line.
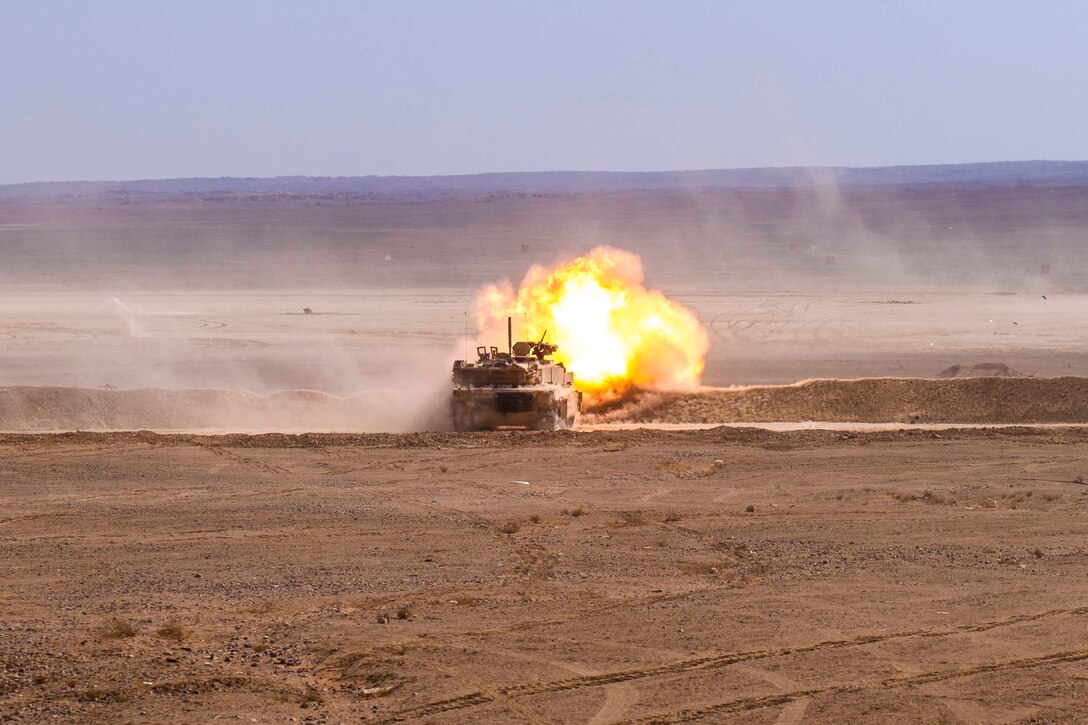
point(120, 90)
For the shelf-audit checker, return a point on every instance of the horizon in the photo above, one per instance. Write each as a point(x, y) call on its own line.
point(249, 177)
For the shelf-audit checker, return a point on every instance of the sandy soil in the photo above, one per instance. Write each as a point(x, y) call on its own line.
point(888, 576)
point(598, 576)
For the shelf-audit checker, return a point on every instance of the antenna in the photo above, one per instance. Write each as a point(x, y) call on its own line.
point(510, 336)
point(536, 347)
point(466, 337)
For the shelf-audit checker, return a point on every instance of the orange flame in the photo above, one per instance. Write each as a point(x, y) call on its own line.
point(612, 332)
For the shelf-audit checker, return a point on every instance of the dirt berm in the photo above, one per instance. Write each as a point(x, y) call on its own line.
point(867, 400)
point(875, 400)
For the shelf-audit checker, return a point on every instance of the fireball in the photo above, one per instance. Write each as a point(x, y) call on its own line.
point(613, 333)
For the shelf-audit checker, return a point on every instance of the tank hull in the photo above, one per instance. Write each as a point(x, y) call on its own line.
point(541, 407)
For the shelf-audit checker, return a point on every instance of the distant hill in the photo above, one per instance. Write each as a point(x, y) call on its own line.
point(1000, 173)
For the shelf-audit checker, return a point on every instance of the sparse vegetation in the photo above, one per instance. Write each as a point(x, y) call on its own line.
point(926, 496)
point(510, 528)
point(671, 517)
point(1016, 498)
point(172, 630)
point(92, 694)
point(750, 509)
point(404, 613)
point(118, 628)
point(261, 608)
point(312, 697)
point(535, 518)
point(1038, 553)
point(629, 518)
point(444, 469)
point(701, 569)
point(382, 618)
point(578, 512)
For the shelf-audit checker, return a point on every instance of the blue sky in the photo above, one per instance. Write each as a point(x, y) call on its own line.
point(120, 90)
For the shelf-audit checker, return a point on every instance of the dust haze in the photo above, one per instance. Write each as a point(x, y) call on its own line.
point(185, 292)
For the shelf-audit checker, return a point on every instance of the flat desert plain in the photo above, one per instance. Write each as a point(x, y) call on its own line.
point(621, 576)
point(289, 545)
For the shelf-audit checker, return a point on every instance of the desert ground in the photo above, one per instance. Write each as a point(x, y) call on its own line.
point(630, 576)
point(215, 506)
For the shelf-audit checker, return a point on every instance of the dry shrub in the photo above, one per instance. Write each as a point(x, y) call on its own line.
point(92, 695)
point(702, 569)
point(172, 630)
point(265, 607)
point(926, 496)
point(628, 518)
point(118, 628)
point(680, 470)
point(510, 528)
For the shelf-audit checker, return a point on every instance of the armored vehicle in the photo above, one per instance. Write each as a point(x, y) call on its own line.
point(519, 388)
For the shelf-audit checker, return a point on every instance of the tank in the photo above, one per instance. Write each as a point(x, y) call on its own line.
point(519, 388)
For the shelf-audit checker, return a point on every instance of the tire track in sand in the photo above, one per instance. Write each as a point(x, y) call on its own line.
point(753, 703)
point(721, 660)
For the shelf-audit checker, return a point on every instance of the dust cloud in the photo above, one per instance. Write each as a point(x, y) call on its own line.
point(108, 295)
point(224, 361)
